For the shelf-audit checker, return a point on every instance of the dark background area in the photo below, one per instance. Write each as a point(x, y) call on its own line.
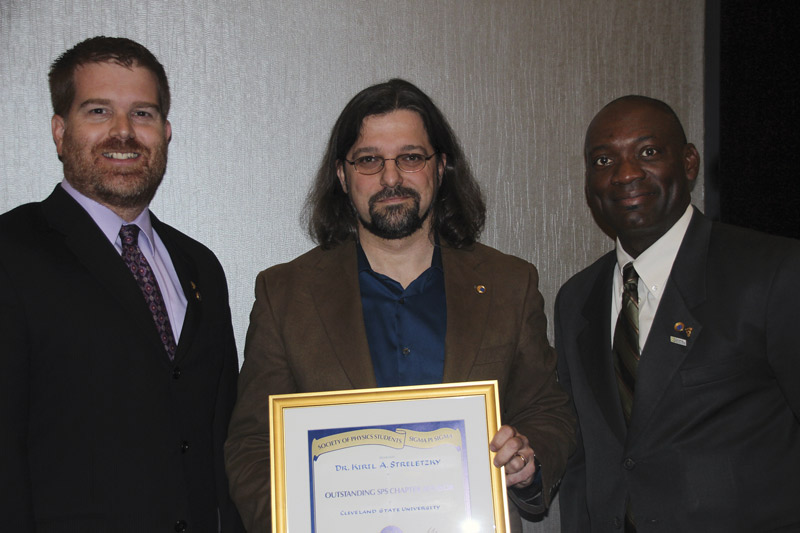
point(752, 153)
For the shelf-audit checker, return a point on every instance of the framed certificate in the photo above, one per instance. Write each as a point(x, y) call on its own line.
point(388, 460)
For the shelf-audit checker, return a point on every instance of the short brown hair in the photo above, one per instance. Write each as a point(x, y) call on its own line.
point(101, 49)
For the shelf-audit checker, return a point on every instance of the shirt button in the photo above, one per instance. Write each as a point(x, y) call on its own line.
point(629, 464)
point(402, 300)
point(180, 526)
point(184, 446)
point(406, 351)
point(176, 373)
point(617, 523)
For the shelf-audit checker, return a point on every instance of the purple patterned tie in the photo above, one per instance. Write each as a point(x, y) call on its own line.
point(143, 274)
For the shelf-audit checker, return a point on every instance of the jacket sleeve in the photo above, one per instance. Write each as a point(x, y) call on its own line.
point(16, 510)
point(247, 450)
point(535, 403)
point(572, 502)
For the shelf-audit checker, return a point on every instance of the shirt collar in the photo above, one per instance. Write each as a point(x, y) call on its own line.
point(107, 220)
point(436, 260)
point(654, 264)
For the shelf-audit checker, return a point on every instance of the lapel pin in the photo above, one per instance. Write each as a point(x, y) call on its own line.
point(680, 327)
point(480, 289)
point(677, 340)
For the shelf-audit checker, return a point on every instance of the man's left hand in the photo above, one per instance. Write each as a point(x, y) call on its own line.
point(515, 453)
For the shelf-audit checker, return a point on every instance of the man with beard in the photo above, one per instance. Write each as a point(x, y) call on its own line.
point(118, 367)
point(399, 292)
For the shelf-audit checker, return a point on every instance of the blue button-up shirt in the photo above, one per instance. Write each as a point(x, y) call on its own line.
point(405, 327)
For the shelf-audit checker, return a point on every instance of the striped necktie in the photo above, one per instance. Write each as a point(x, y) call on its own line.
point(626, 340)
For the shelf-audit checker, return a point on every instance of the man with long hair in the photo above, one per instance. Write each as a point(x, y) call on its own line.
point(399, 292)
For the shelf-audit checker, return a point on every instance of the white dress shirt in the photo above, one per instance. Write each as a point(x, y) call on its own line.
point(653, 266)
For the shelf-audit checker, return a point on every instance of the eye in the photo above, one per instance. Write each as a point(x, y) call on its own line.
point(368, 160)
point(649, 151)
point(97, 111)
point(411, 158)
point(142, 114)
point(602, 161)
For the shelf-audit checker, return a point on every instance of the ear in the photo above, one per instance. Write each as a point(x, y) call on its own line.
point(57, 126)
point(168, 131)
point(691, 161)
point(341, 175)
point(441, 166)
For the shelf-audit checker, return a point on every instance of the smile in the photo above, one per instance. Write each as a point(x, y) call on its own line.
point(120, 155)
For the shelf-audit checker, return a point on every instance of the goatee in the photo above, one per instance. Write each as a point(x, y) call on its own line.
point(394, 221)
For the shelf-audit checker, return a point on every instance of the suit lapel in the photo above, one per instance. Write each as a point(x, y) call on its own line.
point(337, 298)
point(674, 324)
point(594, 347)
point(186, 269)
point(467, 311)
point(93, 250)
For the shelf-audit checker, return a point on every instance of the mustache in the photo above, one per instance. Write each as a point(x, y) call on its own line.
point(397, 190)
point(117, 145)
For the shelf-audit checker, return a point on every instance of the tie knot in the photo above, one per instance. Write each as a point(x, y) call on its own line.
point(629, 273)
point(630, 280)
point(129, 234)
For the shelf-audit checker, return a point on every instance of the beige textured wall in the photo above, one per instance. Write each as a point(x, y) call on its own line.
point(257, 86)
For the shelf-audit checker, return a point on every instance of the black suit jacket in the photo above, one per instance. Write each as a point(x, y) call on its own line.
point(714, 437)
point(100, 431)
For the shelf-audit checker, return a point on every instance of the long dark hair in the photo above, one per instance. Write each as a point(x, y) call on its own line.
point(459, 211)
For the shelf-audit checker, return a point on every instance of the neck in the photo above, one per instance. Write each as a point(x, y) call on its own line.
point(126, 214)
point(404, 259)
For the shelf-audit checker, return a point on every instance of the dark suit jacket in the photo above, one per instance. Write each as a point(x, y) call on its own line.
point(714, 437)
point(100, 432)
point(307, 334)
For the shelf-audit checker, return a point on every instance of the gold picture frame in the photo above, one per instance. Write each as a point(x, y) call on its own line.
point(395, 456)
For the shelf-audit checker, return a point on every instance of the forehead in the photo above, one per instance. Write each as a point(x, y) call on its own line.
point(629, 122)
point(110, 81)
point(401, 127)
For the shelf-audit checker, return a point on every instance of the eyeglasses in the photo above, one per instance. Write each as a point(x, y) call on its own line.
point(372, 164)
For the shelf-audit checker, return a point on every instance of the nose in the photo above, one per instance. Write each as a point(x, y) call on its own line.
point(122, 127)
point(391, 175)
point(628, 170)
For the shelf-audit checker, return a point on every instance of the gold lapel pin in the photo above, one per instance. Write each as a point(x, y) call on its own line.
point(480, 289)
point(680, 327)
point(196, 292)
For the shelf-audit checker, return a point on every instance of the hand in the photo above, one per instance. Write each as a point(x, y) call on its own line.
point(514, 452)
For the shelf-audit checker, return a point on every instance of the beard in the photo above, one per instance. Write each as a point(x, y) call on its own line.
point(394, 221)
point(125, 188)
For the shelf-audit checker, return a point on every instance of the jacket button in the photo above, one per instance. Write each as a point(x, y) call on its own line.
point(629, 464)
point(184, 446)
point(176, 373)
point(180, 526)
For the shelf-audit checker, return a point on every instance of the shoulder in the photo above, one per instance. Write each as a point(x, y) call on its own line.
point(580, 285)
point(485, 258)
point(21, 221)
point(314, 263)
point(733, 242)
point(25, 233)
